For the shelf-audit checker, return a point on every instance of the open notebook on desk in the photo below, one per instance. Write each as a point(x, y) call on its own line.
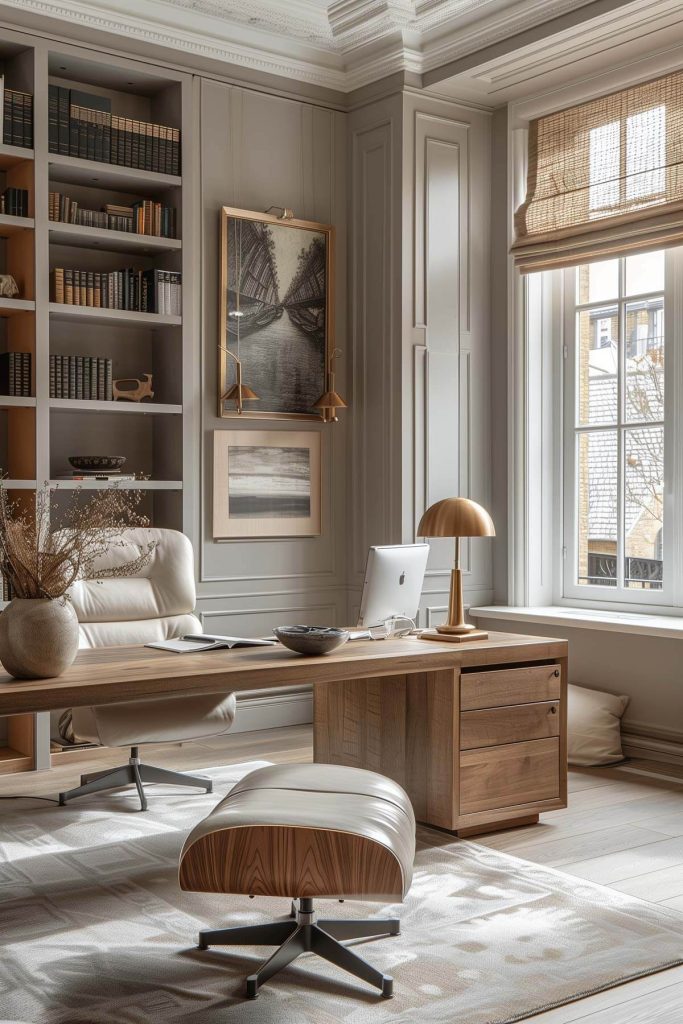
point(194, 642)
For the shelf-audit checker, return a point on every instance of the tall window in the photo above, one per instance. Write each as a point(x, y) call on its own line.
point(616, 430)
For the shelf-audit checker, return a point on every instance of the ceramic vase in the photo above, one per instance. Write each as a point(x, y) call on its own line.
point(38, 637)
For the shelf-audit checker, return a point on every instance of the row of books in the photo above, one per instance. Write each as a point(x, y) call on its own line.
point(14, 201)
point(16, 116)
point(82, 125)
point(140, 291)
point(87, 378)
point(15, 374)
point(5, 589)
point(143, 218)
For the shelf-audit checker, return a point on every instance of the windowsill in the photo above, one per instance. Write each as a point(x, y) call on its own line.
point(587, 618)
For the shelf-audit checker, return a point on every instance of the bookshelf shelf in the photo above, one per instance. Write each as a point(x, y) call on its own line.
point(10, 307)
point(125, 485)
point(10, 156)
point(76, 171)
point(108, 240)
point(120, 407)
point(16, 402)
point(10, 226)
point(123, 317)
point(19, 485)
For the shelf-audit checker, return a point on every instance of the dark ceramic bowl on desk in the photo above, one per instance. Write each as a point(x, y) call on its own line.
point(311, 640)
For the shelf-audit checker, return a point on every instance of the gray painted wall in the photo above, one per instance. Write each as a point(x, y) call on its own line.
point(259, 150)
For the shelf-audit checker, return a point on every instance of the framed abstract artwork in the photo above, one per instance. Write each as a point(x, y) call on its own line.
point(276, 315)
point(266, 483)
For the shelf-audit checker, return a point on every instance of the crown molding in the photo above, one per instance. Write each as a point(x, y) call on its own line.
point(344, 46)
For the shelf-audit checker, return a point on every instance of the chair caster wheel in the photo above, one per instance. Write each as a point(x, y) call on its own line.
point(202, 945)
point(62, 799)
point(387, 987)
point(252, 987)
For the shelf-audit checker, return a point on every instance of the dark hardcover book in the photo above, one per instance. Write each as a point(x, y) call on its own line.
point(90, 288)
point(53, 389)
point(155, 147)
point(69, 287)
point(74, 136)
point(106, 136)
point(79, 378)
point(93, 379)
point(108, 381)
point(58, 376)
point(113, 139)
point(25, 374)
point(101, 377)
point(72, 377)
point(17, 107)
point(163, 146)
point(53, 119)
point(28, 120)
point(135, 144)
point(128, 142)
point(7, 117)
point(65, 376)
point(91, 132)
point(86, 378)
point(63, 121)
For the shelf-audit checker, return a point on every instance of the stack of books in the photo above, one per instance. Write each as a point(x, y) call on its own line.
point(16, 116)
point(82, 125)
point(88, 378)
point(144, 218)
point(14, 201)
point(139, 291)
point(15, 374)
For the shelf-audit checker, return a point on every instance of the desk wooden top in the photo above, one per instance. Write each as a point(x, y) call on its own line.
point(109, 675)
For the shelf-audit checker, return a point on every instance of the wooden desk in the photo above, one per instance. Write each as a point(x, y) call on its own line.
point(475, 732)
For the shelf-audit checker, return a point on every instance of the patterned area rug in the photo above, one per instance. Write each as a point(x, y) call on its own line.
point(96, 931)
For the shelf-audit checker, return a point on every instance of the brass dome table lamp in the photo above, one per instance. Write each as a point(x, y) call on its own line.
point(456, 517)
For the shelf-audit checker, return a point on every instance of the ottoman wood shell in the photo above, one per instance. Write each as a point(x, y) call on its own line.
point(304, 831)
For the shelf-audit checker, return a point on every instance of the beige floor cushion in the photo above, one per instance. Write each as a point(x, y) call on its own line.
point(594, 726)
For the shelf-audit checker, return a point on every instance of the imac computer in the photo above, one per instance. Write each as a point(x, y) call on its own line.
point(394, 575)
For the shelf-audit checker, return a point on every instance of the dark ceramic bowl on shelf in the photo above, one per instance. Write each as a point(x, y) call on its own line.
point(311, 640)
point(97, 463)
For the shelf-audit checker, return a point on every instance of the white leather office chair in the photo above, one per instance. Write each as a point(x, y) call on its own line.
point(156, 604)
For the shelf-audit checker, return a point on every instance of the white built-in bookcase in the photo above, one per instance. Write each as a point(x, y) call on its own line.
point(38, 434)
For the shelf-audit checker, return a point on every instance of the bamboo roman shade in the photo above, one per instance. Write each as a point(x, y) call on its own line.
point(605, 178)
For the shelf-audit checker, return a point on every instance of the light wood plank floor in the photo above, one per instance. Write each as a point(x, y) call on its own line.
point(623, 828)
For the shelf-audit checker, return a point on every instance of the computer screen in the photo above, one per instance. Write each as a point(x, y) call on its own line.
point(394, 575)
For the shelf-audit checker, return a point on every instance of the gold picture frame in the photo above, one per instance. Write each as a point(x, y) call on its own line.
point(276, 315)
point(267, 483)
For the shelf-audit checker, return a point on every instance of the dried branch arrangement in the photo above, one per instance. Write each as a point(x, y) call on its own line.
point(39, 562)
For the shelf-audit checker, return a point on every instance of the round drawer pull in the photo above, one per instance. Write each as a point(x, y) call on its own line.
point(553, 711)
point(556, 673)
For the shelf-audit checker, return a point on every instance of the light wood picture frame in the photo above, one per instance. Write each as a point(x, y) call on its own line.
point(276, 314)
point(267, 483)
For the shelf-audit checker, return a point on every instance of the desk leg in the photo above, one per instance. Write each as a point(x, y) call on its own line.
point(404, 727)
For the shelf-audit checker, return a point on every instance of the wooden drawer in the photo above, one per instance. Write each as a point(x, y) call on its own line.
point(500, 687)
point(494, 726)
point(517, 773)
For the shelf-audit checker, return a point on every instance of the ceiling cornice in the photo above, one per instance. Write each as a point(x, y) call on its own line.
point(343, 46)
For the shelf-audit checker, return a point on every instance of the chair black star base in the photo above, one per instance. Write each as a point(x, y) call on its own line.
point(133, 772)
point(303, 934)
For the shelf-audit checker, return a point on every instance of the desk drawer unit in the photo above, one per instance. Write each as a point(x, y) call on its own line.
point(512, 747)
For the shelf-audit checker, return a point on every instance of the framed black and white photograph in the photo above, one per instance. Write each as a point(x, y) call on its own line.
point(266, 483)
point(276, 319)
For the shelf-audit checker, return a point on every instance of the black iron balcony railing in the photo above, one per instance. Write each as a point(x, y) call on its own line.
point(643, 572)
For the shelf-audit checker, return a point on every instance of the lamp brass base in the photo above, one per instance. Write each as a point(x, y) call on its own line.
point(454, 638)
